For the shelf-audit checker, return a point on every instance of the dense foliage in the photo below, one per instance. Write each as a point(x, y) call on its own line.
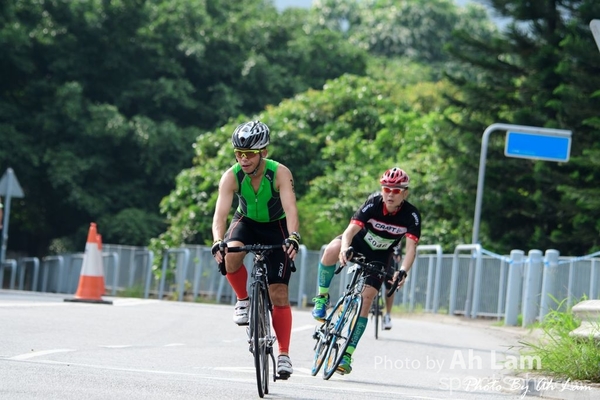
point(543, 71)
point(112, 109)
point(317, 134)
point(101, 101)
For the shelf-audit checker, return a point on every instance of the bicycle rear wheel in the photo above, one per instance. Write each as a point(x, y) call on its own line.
point(377, 316)
point(260, 314)
point(341, 334)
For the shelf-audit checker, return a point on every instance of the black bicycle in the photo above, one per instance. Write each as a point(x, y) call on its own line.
point(378, 302)
point(334, 334)
point(377, 310)
point(260, 338)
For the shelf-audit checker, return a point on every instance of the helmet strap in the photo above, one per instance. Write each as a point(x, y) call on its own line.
point(253, 173)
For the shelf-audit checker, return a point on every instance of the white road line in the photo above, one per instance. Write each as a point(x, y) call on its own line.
point(381, 391)
point(126, 346)
point(33, 354)
point(116, 303)
point(32, 304)
point(133, 302)
point(304, 328)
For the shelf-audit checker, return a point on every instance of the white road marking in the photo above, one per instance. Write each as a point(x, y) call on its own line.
point(33, 354)
point(32, 304)
point(325, 387)
point(304, 328)
point(133, 302)
point(116, 303)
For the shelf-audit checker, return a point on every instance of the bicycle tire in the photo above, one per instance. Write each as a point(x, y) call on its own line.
point(259, 340)
point(321, 335)
point(341, 334)
point(323, 338)
point(377, 313)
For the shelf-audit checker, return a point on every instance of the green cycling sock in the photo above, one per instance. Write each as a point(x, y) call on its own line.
point(326, 273)
point(361, 324)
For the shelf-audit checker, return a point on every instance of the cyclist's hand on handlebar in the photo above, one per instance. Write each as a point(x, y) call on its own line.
point(218, 250)
point(346, 255)
point(400, 276)
point(292, 244)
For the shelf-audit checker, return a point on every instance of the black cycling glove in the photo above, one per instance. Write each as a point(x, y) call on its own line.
point(293, 240)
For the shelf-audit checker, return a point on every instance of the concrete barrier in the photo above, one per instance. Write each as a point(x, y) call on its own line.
point(588, 312)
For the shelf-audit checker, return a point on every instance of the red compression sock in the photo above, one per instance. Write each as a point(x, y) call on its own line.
point(238, 281)
point(282, 324)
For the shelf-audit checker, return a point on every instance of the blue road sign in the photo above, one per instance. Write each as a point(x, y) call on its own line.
point(538, 146)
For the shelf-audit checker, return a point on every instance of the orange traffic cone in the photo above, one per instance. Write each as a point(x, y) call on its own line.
point(91, 280)
point(103, 283)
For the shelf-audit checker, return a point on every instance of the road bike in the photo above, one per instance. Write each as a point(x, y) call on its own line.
point(334, 334)
point(377, 311)
point(378, 304)
point(260, 338)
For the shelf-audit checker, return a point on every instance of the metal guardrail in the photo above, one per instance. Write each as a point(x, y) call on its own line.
point(22, 266)
point(472, 281)
point(12, 264)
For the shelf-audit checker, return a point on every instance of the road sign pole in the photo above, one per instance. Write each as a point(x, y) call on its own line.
point(6, 220)
point(9, 188)
point(483, 156)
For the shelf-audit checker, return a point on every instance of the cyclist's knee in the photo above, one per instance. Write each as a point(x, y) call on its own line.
point(279, 294)
point(233, 262)
point(331, 252)
point(369, 293)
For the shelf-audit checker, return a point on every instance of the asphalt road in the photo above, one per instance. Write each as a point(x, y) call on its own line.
point(149, 349)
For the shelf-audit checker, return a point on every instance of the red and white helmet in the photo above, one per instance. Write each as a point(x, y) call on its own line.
point(395, 177)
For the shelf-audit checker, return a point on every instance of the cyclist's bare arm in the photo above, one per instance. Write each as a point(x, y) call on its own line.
point(409, 256)
point(227, 188)
point(285, 184)
point(347, 237)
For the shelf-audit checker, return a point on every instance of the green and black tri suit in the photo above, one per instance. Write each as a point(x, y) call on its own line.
point(260, 219)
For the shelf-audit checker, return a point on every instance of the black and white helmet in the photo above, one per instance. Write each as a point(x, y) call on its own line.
point(253, 135)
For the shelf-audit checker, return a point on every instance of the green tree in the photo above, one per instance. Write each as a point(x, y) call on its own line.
point(101, 101)
point(337, 142)
point(542, 71)
point(418, 30)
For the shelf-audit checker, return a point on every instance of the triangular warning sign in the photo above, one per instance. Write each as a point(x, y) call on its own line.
point(9, 185)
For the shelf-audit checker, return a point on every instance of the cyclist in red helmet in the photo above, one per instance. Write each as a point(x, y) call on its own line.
point(377, 227)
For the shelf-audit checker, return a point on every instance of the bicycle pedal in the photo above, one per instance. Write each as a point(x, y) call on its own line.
point(284, 376)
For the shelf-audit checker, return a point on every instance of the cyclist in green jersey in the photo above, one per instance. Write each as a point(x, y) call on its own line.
point(266, 214)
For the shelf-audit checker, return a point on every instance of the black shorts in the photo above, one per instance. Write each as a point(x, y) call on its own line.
point(379, 256)
point(248, 231)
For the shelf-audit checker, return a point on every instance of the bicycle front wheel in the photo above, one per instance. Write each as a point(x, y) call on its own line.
point(259, 314)
point(341, 334)
point(323, 337)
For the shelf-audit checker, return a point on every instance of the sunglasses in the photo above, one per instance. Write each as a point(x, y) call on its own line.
point(245, 153)
point(392, 190)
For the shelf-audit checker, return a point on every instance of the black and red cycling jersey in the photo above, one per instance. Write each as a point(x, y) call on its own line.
point(382, 231)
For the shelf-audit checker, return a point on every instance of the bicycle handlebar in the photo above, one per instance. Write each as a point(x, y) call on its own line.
point(252, 248)
point(361, 260)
